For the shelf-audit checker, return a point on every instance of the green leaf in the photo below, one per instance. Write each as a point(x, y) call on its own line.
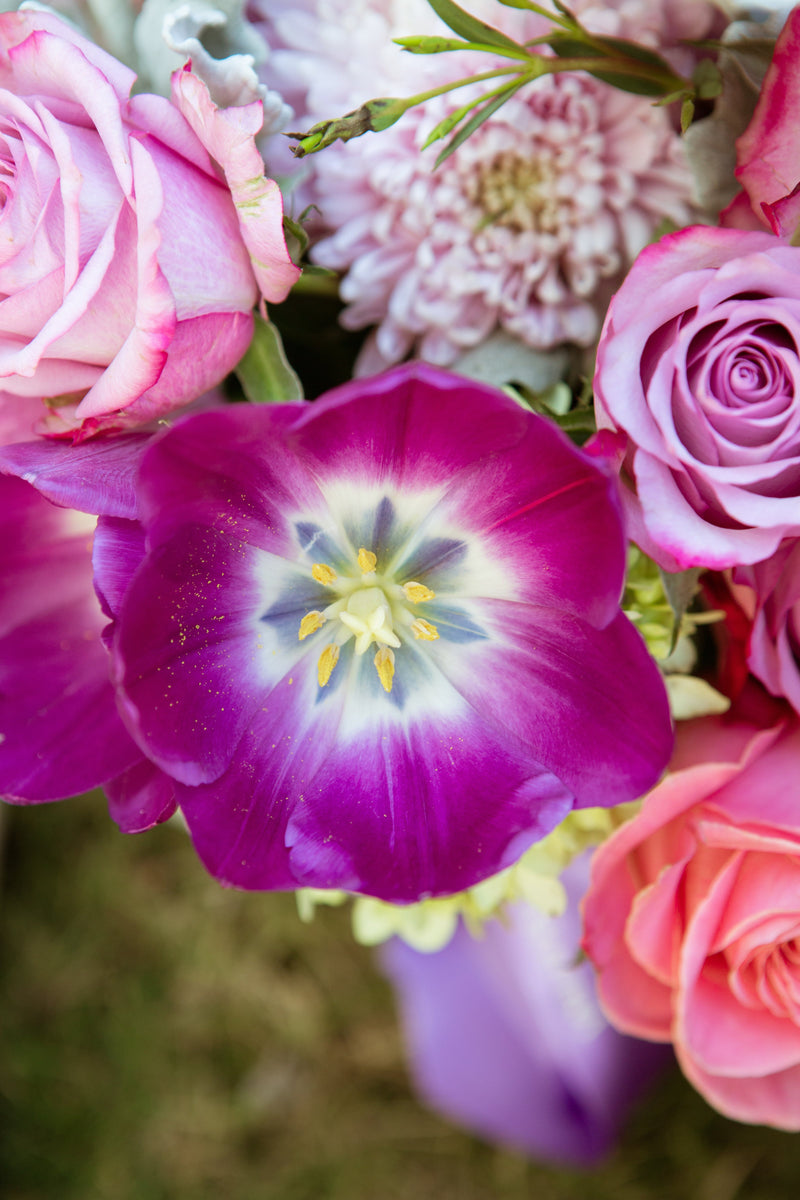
point(622, 48)
point(296, 238)
point(566, 45)
point(448, 123)
point(687, 113)
point(479, 117)
point(679, 588)
point(634, 84)
point(264, 372)
point(470, 27)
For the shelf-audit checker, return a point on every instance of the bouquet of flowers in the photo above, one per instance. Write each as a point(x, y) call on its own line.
point(455, 622)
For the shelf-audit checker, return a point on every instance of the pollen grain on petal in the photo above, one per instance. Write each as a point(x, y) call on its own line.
point(310, 623)
point(384, 665)
point(327, 661)
point(424, 630)
point(323, 573)
point(367, 561)
point(417, 592)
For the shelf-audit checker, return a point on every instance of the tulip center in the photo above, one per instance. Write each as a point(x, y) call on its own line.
point(371, 608)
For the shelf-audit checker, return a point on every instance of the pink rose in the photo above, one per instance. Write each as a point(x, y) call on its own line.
point(132, 259)
point(699, 365)
point(692, 918)
point(770, 595)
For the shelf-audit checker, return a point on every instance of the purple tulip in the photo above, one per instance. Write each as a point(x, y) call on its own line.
point(54, 679)
point(505, 1035)
point(374, 641)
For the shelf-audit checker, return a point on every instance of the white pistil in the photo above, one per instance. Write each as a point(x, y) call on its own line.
point(369, 616)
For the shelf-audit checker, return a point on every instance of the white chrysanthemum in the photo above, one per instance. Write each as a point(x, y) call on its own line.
point(526, 227)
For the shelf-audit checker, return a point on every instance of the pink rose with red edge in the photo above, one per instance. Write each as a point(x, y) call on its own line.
point(129, 271)
point(692, 918)
point(767, 152)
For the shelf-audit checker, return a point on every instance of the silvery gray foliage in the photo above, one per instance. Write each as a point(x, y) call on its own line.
point(224, 48)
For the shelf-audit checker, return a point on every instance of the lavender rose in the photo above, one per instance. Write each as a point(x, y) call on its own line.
point(127, 274)
point(699, 366)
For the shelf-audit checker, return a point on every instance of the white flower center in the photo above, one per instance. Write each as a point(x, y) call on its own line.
point(370, 608)
point(517, 192)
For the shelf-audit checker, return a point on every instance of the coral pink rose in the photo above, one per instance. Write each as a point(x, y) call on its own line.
point(693, 918)
point(699, 365)
point(135, 239)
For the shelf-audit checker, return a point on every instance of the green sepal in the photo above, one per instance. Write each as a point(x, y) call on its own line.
point(371, 117)
point(264, 371)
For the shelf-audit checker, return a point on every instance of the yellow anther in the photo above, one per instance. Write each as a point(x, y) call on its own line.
point(323, 573)
point(367, 561)
point(417, 592)
point(310, 623)
point(327, 661)
point(384, 665)
point(424, 630)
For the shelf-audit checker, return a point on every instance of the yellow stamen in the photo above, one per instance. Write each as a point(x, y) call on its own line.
point(384, 665)
point(424, 630)
point(323, 573)
point(310, 623)
point(417, 592)
point(367, 561)
point(327, 661)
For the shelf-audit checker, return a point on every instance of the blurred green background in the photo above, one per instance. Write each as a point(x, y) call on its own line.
point(165, 1039)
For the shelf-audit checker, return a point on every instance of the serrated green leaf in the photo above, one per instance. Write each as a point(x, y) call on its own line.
point(264, 372)
point(477, 120)
point(470, 27)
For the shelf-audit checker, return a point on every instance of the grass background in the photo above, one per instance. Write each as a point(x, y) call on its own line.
point(164, 1039)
